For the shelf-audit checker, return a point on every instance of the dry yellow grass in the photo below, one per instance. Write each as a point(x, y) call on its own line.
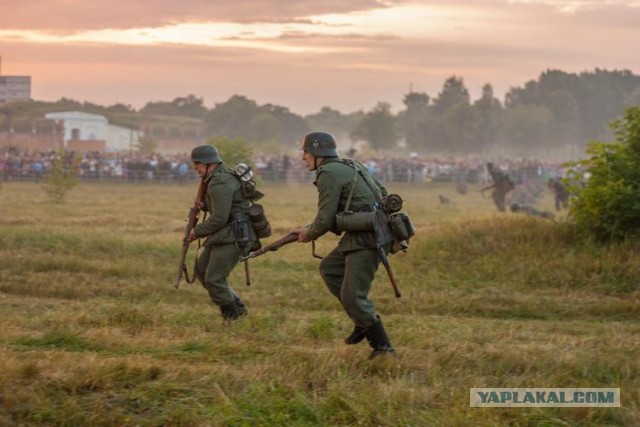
point(92, 331)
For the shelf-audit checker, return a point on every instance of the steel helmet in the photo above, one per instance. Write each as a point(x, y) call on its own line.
point(320, 144)
point(205, 154)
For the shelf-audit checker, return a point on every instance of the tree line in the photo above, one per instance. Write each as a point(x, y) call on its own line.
point(559, 112)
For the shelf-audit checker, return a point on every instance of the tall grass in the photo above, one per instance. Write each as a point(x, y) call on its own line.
point(92, 331)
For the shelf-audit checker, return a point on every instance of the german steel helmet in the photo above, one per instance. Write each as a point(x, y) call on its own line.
point(321, 144)
point(205, 154)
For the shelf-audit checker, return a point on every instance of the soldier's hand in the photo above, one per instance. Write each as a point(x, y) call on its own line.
point(192, 235)
point(302, 234)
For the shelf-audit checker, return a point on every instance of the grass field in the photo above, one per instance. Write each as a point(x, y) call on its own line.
point(92, 331)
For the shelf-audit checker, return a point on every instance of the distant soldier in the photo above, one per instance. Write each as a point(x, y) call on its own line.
point(444, 200)
point(560, 193)
point(461, 186)
point(501, 185)
point(530, 210)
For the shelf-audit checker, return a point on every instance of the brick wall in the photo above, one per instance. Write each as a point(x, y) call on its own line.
point(30, 141)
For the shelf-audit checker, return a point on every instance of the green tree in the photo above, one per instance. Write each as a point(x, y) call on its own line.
point(61, 177)
point(329, 120)
point(526, 127)
point(120, 108)
point(264, 128)
point(291, 126)
point(453, 93)
point(233, 151)
point(411, 120)
point(190, 106)
point(487, 120)
point(565, 127)
point(377, 127)
point(243, 118)
point(146, 145)
point(581, 104)
point(185, 106)
point(447, 127)
point(606, 204)
point(334, 122)
point(232, 118)
point(633, 98)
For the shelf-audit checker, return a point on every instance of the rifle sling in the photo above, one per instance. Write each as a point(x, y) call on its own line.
point(353, 187)
point(195, 259)
point(193, 278)
point(376, 194)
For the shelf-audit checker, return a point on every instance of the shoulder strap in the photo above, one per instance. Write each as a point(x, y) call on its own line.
point(353, 183)
point(357, 170)
point(367, 180)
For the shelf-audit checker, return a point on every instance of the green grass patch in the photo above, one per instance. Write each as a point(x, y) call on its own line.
point(93, 332)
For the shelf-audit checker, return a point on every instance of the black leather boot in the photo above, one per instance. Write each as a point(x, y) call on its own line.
point(358, 334)
point(229, 311)
point(379, 341)
point(242, 309)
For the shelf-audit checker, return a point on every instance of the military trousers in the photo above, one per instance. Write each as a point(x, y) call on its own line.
point(499, 199)
point(213, 267)
point(349, 277)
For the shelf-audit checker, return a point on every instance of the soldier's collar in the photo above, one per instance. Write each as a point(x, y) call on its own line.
point(217, 171)
point(326, 160)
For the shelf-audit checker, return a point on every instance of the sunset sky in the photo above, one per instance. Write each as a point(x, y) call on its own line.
point(305, 54)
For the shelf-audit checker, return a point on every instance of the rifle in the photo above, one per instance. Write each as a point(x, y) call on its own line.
point(192, 220)
point(385, 261)
point(241, 226)
point(488, 187)
point(289, 238)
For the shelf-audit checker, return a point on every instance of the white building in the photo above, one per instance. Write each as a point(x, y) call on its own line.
point(80, 126)
point(15, 88)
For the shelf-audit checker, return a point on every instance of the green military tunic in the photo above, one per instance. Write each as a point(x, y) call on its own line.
point(220, 253)
point(349, 269)
point(501, 186)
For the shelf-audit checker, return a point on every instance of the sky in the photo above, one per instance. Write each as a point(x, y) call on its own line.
point(348, 55)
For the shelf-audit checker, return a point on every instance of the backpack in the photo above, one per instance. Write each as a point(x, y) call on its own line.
point(248, 191)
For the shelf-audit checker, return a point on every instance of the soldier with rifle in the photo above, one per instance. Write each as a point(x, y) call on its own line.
point(227, 230)
point(349, 194)
point(500, 186)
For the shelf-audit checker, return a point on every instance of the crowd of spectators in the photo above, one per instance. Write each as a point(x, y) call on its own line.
point(95, 166)
point(137, 167)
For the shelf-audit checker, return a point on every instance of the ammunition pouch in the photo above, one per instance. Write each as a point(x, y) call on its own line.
point(242, 229)
point(371, 227)
point(259, 221)
point(249, 191)
point(392, 203)
point(355, 221)
point(381, 224)
point(402, 230)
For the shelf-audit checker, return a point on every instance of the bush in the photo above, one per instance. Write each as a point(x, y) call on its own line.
point(61, 177)
point(147, 145)
point(233, 151)
point(606, 202)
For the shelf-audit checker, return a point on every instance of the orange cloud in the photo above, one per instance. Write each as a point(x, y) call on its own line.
point(346, 55)
point(76, 15)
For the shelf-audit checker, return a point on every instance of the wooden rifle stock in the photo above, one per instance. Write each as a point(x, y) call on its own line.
point(385, 261)
point(192, 220)
point(289, 238)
